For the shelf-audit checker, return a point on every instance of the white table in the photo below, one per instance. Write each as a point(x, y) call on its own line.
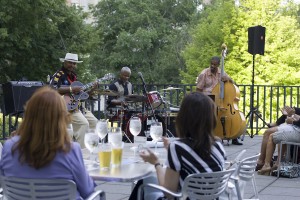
point(130, 170)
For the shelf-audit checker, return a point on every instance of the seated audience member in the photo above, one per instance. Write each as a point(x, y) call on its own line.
point(41, 147)
point(196, 150)
point(289, 132)
point(286, 111)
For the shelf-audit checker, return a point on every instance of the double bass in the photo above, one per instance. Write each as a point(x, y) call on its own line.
point(231, 122)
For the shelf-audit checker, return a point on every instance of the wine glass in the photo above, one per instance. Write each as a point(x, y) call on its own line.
point(135, 127)
point(101, 129)
point(156, 131)
point(91, 142)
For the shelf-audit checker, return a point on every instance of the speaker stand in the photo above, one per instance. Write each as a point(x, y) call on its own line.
point(253, 110)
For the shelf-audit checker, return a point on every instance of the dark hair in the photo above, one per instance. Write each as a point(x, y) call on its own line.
point(196, 120)
point(215, 58)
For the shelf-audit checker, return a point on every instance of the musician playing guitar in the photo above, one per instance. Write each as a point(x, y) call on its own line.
point(209, 78)
point(65, 82)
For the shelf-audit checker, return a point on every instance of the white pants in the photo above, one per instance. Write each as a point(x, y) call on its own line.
point(81, 123)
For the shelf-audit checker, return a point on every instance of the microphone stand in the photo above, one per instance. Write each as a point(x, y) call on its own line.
point(145, 94)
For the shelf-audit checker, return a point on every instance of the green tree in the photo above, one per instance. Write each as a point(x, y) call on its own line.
point(34, 34)
point(146, 35)
point(224, 22)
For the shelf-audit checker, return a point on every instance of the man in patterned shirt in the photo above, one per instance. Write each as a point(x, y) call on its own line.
point(82, 119)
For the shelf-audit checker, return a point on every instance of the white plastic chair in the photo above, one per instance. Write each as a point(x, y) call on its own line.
point(245, 172)
point(46, 189)
point(204, 186)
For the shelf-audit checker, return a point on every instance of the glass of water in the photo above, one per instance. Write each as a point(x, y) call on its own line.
point(156, 131)
point(101, 129)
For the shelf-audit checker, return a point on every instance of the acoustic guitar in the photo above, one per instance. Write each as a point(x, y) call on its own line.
point(72, 100)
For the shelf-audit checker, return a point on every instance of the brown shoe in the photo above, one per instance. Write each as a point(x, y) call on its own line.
point(265, 171)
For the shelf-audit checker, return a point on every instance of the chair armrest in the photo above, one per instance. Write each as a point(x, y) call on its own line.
point(235, 178)
point(96, 193)
point(158, 187)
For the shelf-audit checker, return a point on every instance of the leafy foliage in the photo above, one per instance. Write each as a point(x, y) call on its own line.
point(224, 22)
point(146, 35)
point(34, 34)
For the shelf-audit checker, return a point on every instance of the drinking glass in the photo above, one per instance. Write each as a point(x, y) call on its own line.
point(135, 127)
point(116, 154)
point(101, 129)
point(156, 131)
point(91, 142)
point(115, 135)
point(104, 156)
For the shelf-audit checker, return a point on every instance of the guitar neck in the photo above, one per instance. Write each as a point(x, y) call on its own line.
point(89, 85)
point(222, 74)
point(105, 78)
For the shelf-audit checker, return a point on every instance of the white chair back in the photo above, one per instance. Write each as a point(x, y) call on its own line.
point(206, 186)
point(245, 172)
point(47, 189)
point(246, 168)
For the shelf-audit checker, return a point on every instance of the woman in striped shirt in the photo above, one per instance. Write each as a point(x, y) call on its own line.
point(196, 151)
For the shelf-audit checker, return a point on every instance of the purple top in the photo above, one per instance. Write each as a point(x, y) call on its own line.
point(64, 166)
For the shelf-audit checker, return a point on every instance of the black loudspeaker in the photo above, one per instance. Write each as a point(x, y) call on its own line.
point(16, 94)
point(256, 40)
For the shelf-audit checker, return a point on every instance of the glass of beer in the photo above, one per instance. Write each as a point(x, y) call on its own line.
point(104, 156)
point(116, 154)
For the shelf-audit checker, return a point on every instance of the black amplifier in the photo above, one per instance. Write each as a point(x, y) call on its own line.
point(16, 94)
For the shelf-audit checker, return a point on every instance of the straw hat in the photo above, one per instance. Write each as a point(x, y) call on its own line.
point(72, 57)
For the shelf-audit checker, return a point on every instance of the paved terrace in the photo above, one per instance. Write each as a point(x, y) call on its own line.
point(269, 187)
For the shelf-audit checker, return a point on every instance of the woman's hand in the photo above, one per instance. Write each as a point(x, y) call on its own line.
point(289, 120)
point(148, 156)
point(286, 110)
point(166, 142)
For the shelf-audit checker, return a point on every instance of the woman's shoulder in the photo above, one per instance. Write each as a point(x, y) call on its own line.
point(75, 146)
point(12, 140)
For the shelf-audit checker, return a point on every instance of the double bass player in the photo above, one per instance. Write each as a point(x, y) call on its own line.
point(209, 78)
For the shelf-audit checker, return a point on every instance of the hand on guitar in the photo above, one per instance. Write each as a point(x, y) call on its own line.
point(93, 88)
point(226, 78)
point(76, 89)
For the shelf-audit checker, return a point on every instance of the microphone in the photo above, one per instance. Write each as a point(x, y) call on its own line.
point(141, 76)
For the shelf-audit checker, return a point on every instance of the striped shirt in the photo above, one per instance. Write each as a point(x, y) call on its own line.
point(183, 159)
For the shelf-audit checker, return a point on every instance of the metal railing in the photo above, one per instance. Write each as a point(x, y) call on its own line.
point(267, 99)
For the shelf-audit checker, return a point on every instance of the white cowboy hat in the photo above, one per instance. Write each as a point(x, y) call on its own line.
point(72, 57)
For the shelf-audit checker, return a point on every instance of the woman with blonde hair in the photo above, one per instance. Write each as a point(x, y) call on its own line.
point(42, 147)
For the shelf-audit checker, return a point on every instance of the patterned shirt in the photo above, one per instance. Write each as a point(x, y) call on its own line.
point(207, 81)
point(183, 159)
point(61, 77)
